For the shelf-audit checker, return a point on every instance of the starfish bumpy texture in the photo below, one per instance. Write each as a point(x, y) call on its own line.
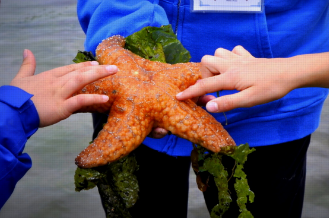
point(142, 96)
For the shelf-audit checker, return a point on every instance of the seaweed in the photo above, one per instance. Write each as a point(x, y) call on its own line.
point(211, 163)
point(83, 56)
point(117, 185)
point(158, 44)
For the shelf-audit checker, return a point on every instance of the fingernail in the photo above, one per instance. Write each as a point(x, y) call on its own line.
point(212, 107)
point(105, 98)
point(179, 94)
point(95, 63)
point(25, 53)
point(111, 68)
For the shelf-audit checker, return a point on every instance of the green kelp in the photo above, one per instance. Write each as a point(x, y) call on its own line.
point(83, 56)
point(211, 163)
point(158, 44)
point(117, 185)
point(152, 43)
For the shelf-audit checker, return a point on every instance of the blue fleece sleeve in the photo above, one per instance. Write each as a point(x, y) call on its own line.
point(101, 19)
point(18, 121)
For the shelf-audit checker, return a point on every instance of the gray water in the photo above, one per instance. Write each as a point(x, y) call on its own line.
point(50, 29)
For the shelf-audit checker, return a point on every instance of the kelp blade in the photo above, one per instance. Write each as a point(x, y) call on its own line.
point(158, 44)
point(83, 56)
point(211, 163)
point(117, 185)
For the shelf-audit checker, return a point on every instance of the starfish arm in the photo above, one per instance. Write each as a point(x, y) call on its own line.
point(109, 43)
point(189, 121)
point(125, 130)
point(181, 75)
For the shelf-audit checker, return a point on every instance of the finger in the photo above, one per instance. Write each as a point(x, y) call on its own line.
point(61, 71)
point(239, 50)
point(158, 133)
point(246, 98)
point(203, 100)
point(224, 53)
point(77, 102)
point(76, 80)
point(212, 65)
point(199, 89)
point(28, 65)
point(207, 85)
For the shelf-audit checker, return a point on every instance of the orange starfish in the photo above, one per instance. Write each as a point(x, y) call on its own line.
point(142, 96)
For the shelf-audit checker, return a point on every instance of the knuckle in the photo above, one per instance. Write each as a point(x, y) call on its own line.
point(78, 67)
point(70, 68)
point(249, 103)
point(233, 74)
point(227, 103)
point(220, 52)
point(202, 84)
point(79, 78)
point(83, 64)
point(80, 100)
point(205, 60)
point(237, 48)
point(99, 70)
point(275, 91)
point(202, 87)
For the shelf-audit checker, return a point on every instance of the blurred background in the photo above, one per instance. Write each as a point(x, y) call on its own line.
point(50, 29)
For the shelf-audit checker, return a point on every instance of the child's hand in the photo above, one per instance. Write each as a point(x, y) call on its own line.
point(53, 89)
point(259, 80)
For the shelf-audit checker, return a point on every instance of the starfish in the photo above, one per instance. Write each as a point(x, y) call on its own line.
point(142, 96)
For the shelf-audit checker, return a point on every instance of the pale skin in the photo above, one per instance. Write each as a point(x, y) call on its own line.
point(53, 90)
point(258, 80)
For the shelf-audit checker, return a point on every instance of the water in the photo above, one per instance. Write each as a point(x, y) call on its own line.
point(51, 30)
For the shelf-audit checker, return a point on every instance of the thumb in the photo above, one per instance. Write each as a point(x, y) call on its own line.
point(28, 65)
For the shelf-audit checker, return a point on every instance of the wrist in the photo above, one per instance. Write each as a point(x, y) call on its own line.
point(312, 70)
point(289, 75)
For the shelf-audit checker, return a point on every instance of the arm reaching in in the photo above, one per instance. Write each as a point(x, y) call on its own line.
point(259, 80)
point(53, 101)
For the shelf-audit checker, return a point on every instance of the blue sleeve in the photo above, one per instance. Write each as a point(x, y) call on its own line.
point(18, 121)
point(101, 19)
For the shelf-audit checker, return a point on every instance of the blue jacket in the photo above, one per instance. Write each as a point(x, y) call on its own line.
point(18, 121)
point(284, 29)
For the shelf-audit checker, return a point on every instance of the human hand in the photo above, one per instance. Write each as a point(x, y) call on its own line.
point(259, 80)
point(53, 89)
